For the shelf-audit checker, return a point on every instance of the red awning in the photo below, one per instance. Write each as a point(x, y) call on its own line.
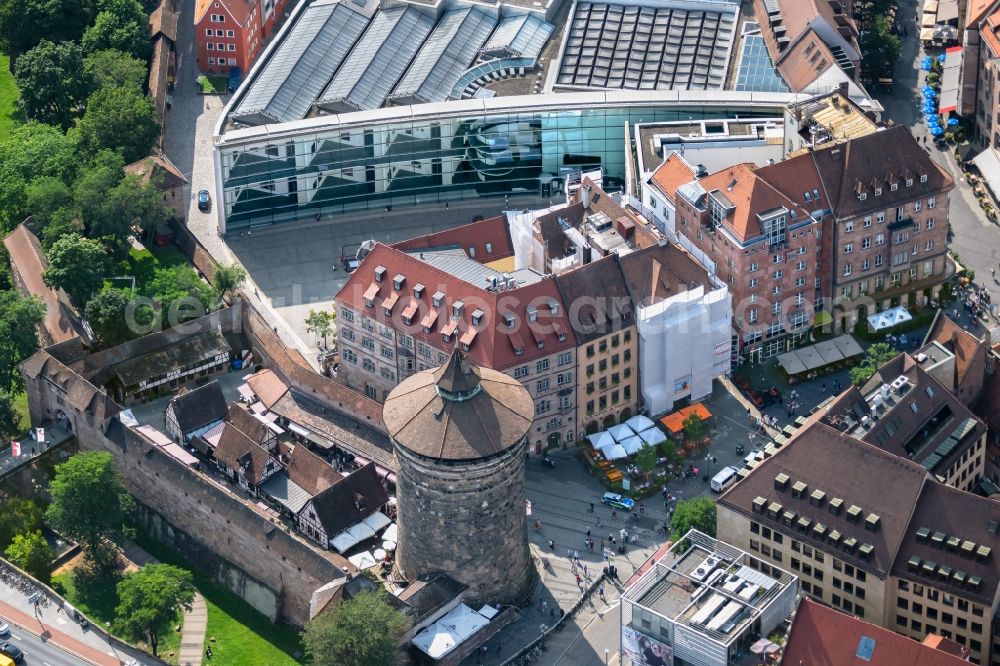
point(390, 300)
point(428, 321)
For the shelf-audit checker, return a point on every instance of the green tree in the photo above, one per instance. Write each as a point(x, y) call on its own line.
point(694, 428)
point(228, 279)
point(90, 506)
point(668, 449)
point(696, 513)
point(361, 631)
point(181, 293)
point(20, 318)
point(121, 119)
point(120, 25)
point(133, 205)
point(52, 208)
point(78, 266)
point(150, 601)
point(106, 314)
point(32, 553)
point(112, 68)
point(880, 48)
point(24, 23)
point(92, 191)
point(8, 420)
point(320, 323)
point(31, 151)
point(50, 78)
point(19, 516)
point(875, 357)
point(645, 459)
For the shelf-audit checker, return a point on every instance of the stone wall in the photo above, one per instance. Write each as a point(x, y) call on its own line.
point(468, 520)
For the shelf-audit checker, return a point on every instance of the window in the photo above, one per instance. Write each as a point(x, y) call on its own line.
point(230, 33)
point(521, 372)
point(880, 239)
point(929, 245)
point(847, 270)
point(848, 248)
point(864, 265)
point(211, 61)
point(754, 282)
point(231, 47)
point(930, 223)
point(878, 262)
point(208, 32)
point(932, 202)
point(220, 46)
point(848, 227)
point(868, 220)
point(778, 275)
point(917, 205)
point(218, 33)
point(542, 385)
point(893, 187)
point(210, 46)
point(866, 242)
point(880, 217)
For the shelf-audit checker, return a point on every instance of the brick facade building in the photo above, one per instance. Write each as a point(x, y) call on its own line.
point(231, 33)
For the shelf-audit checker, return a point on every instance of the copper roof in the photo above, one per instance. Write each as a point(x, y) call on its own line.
point(458, 411)
point(822, 636)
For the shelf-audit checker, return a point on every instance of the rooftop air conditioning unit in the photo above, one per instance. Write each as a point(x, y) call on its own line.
point(920, 358)
point(901, 384)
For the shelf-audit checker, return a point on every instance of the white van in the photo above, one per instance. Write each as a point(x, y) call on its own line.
point(725, 478)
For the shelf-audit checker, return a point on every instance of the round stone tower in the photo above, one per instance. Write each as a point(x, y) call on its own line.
point(460, 438)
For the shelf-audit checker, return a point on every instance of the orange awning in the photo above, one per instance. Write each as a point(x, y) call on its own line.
point(371, 292)
point(428, 321)
point(450, 327)
point(390, 301)
point(411, 309)
point(675, 422)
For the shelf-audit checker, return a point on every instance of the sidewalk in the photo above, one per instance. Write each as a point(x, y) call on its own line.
point(84, 651)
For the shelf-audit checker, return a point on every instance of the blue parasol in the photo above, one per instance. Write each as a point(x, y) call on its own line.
point(952, 122)
point(937, 131)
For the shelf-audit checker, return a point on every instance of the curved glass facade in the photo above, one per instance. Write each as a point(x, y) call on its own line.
point(318, 170)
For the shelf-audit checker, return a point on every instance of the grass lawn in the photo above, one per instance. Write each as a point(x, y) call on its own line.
point(238, 634)
point(143, 264)
point(213, 85)
point(8, 97)
point(98, 600)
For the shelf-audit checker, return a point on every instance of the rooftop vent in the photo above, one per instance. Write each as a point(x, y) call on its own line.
point(901, 384)
point(920, 358)
point(781, 481)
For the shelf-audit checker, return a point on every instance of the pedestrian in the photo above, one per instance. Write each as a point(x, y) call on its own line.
point(600, 591)
point(552, 613)
point(208, 652)
point(642, 509)
point(552, 545)
point(592, 507)
point(578, 579)
point(614, 514)
point(588, 532)
point(586, 574)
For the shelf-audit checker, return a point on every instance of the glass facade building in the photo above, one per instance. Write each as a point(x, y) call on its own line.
point(459, 150)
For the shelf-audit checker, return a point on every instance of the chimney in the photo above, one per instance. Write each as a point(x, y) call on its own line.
point(585, 195)
point(842, 88)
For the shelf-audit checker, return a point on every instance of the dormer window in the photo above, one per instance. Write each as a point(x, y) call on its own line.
point(894, 187)
point(456, 309)
point(923, 178)
point(518, 351)
point(477, 317)
point(397, 282)
point(862, 196)
point(437, 298)
point(418, 290)
point(510, 319)
point(878, 191)
point(532, 313)
point(909, 182)
point(554, 307)
point(562, 337)
point(379, 273)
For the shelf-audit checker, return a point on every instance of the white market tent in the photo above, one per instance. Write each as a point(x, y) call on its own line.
point(820, 354)
point(614, 452)
point(633, 444)
point(362, 560)
point(351, 537)
point(449, 632)
point(653, 436)
point(621, 432)
point(889, 318)
point(640, 422)
point(600, 439)
point(391, 533)
point(377, 521)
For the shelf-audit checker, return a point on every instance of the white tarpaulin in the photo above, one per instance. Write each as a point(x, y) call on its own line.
point(614, 452)
point(621, 432)
point(600, 439)
point(391, 533)
point(377, 521)
point(449, 632)
point(343, 542)
point(632, 445)
point(653, 436)
point(640, 422)
point(889, 318)
point(362, 560)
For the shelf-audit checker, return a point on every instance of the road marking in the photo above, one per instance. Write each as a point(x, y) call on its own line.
point(16, 637)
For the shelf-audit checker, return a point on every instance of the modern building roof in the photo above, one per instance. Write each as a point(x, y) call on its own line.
point(823, 635)
point(377, 61)
point(350, 500)
point(756, 71)
point(644, 47)
point(458, 412)
point(873, 162)
point(28, 263)
point(851, 480)
point(952, 543)
point(521, 36)
point(312, 50)
point(445, 55)
point(199, 407)
point(830, 119)
point(598, 297)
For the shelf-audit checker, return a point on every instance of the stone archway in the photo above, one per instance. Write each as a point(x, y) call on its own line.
point(625, 415)
point(592, 427)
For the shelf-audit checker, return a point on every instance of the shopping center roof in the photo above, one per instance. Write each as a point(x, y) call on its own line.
point(518, 36)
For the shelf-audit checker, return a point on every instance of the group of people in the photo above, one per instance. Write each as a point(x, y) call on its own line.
point(976, 299)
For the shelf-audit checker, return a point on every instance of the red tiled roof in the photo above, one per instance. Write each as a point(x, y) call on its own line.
point(238, 9)
point(822, 636)
point(493, 346)
point(267, 386)
point(28, 263)
point(670, 175)
point(806, 60)
point(969, 351)
point(475, 235)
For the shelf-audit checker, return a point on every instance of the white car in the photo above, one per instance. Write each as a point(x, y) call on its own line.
point(4, 629)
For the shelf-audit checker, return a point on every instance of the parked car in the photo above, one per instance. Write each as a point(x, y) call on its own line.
point(204, 201)
point(4, 629)
point(616, 501)
point(10, 650)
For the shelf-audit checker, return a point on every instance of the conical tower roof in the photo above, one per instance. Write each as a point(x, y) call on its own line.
point(458, 411)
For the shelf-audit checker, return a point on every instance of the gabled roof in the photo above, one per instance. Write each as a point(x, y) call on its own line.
point(822, 636)
point(670, 175)
point(309, 471)
point(749, 194)
point(28, 263)
point(660, 272)
point(267, 386)
point(163, 21)
point(199, 407)
point(350, 500)
point(970, 351)
point(842, 467)
point(158, 168)
point(239, 10)
point(476, 235)
point(805, 60)
point(246, 423)
point(241, 453)
point(599, 295)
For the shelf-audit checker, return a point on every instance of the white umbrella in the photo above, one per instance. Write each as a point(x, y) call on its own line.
point(389, 546)
point(600, 439)
point(653, 436)
point(632, 445)
point(640, 422)
point(620, 432)
point(392, 501)
point(614, 452)
point(391, 533)
point(379, 554)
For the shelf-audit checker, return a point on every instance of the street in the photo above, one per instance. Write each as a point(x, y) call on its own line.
point(40, 651)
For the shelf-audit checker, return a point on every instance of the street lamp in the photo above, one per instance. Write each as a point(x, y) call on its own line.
point(708, 461)
point(606, 656)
